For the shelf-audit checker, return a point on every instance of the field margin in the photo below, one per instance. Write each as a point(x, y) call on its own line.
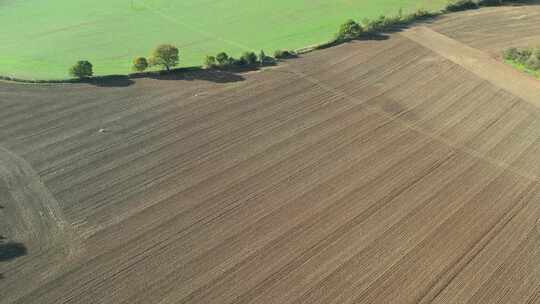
point(308, 49)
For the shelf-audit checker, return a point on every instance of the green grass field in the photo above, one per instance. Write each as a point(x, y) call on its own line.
point(41, 39)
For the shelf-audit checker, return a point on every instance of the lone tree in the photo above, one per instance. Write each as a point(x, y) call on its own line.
point(210, 62)
point(81, 69)
point(165, 55)
point(349, 30)
point(140, 64)
point(222, 59)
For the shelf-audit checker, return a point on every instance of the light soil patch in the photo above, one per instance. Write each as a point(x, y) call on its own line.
point(34, 214)
point(31, 216)
point(478, 62)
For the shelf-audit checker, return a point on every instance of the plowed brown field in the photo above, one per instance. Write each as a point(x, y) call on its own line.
point(395, 171)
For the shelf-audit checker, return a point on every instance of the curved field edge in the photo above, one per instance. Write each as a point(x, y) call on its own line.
point(33, 215)
point(35, 231)
point(110, 37)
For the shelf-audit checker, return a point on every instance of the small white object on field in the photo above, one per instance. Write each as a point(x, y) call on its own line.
point(102, 130)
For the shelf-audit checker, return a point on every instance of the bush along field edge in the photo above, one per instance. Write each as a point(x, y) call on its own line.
point(167, 56)
point(524, 59)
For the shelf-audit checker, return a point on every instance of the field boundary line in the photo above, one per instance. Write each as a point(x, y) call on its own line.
point(478, 62)
point(459, 147)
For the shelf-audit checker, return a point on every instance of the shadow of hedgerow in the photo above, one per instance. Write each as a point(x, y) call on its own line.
point(11, 250)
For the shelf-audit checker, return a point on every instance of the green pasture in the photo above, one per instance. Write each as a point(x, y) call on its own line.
point(41, 39)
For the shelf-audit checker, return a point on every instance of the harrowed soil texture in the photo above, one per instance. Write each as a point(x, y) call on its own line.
point(399, 170)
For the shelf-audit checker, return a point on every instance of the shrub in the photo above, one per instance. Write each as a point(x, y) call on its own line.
point(518, 55)
point(536, 52)
point(237, 62)
point(422, 13)
point(222, 59)
point(461, 5)
point(533, 63)
point(383, 23)
point(140, 64)
point(165, 55)
point(210, 62)
point(81, 69)
point(388, 23)
point(265, 60)
point(284, 54)
point(349, 30)
point(524, 55)
point(371, 26)
point(249, 58)
point(262, 58)
point(530, 57)
point(511, 54)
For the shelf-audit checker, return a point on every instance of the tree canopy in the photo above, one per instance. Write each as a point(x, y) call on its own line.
point(165, 55)
point(81, 69)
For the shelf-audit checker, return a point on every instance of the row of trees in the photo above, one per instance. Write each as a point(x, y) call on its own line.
point(167, 56)
point(247, 59)
point(353, 30)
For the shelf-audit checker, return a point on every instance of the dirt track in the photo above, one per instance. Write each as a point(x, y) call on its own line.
point(373, 172)
point(478, 62)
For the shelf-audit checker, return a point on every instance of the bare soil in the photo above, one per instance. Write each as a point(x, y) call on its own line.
point(373, 172)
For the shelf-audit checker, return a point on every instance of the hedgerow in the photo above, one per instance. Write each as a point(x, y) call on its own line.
point(349, 30)
point(461, 5)
point(248, 60)
point(284, 54)
point(527, 57)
